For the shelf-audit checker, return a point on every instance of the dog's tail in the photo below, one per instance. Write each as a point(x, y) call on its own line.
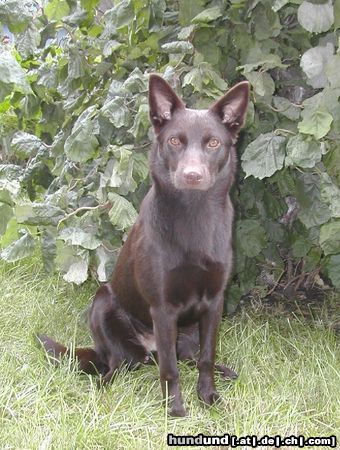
point(88, 359)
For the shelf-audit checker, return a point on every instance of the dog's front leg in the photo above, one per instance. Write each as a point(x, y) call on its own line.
point(165, 330)
point(208, 328)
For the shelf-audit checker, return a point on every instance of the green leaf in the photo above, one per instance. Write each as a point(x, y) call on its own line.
point(136, 82)
point(77, 272)
point(181, 47)
point(264, 156)
point(250, 236)
point(313, 211)
point(12, 74)
point(333, 71)
point(81, 145)
point(123, 14)
point(17, 14)
point(203, 37)
point(332, 163)
point(122, 214)
point(205, 77)
point(48, 248)
point(28, 41)
point(208, 15)
point(188, 10)
point(140, 166)
point(118, 171)
point(78, 82)
point(262, 83)
point(11, 234)
point(76, 65)
point(278, 4)
point(330, 193)
point(73, 262)
point(330, 237)
point(26, 145)
point(6, 213)
point(9, 190)
point(332, 268)
point(56, 9)
point(116, 112)
point(316, 18)
point(336, 14)
point(107, 257)
point(186, 32)
point(302, 152)
point(77, 236)
point(265, 21)
point(110, 47)
point(89, 5)
point(301, 247)
point(194, 78)
point(66, 255)
point(317, 123)
point(19, 249)
point(78, 17)
point(38, 214)
point(286, 108)
point(233, 298)
point(141, 123)
point(313, 63)
point(273, 206)
point(267, 62)
point(312, 259)
point(248, 275)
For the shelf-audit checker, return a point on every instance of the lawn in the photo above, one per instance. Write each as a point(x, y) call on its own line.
point(289, 376)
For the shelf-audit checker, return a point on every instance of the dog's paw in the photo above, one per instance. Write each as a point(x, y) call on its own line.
point(226, 372)
point(208, 396)
point(178, 411)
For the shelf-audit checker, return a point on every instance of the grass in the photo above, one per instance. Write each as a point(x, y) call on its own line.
point(289, 377)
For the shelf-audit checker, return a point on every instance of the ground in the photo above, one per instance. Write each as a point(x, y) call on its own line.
point(288, 364)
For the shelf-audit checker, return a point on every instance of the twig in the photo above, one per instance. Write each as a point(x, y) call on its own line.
point(138, 147)
point(276, 283)
point(310, 280)
point(303, 274)
point(84, 208)
point(289, 269)
point(301, 277)
point(283, 130)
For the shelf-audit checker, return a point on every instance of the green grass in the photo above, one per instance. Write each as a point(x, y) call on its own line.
point(289, 377)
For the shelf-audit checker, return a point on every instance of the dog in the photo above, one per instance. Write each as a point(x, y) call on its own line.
point(166, 293)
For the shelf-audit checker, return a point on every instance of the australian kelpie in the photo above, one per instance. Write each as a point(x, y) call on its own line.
point(166, 294)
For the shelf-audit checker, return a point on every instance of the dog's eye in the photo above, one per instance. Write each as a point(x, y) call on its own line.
point(213, 143)
point(174, 141)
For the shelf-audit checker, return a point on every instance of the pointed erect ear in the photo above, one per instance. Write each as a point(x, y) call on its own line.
point(232, 107)
point(163, 101)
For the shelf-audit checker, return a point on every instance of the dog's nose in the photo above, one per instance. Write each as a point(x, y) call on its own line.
point(192, 176)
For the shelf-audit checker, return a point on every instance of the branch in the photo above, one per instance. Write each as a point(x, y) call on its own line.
point(84, 208)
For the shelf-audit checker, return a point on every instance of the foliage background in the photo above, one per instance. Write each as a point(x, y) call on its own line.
point(74, 128)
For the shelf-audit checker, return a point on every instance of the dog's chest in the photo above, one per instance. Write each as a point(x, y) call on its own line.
point(192, 286)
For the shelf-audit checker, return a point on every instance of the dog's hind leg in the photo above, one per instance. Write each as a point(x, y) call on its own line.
point(115, 337)
point(188, 350)
point(188, 344)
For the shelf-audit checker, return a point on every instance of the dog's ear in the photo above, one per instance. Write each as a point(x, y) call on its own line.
point(163, 101)
point(232, 107)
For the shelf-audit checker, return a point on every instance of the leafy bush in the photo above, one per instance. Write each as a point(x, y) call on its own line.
point(75, 129)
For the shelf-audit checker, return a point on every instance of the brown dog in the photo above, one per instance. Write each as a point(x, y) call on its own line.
point(166, 294)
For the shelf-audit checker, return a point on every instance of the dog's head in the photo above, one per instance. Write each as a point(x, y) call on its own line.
point(195, 145)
